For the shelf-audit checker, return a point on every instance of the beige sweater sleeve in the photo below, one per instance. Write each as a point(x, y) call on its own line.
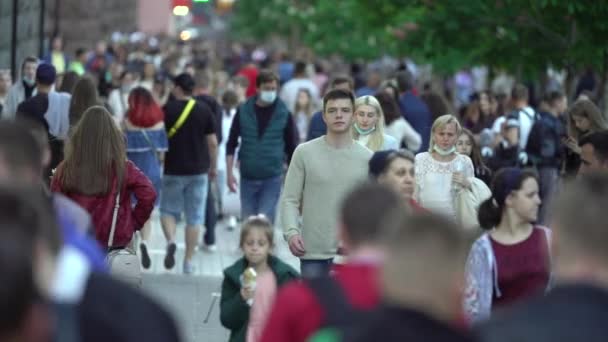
point(289, 209)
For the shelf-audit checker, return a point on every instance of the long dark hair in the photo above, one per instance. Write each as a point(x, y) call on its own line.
point(478, 164)
point(84, 96)
point(389, 107)
point(94, 155)
point(504, 183)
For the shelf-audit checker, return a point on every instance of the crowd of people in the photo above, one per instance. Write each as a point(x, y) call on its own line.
point(410, 220)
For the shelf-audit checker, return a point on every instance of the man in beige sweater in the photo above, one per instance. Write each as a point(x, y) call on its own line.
point(321, 172)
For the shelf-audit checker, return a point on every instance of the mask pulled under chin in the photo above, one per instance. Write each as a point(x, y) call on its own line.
point(443, 152)
point(364, 131)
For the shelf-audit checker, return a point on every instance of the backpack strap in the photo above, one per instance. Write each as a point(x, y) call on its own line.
point(330, 295)
point(182, 118)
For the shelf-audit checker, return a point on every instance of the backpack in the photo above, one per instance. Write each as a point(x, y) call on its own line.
point(342, 320)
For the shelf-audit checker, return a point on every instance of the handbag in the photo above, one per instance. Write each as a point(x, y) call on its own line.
point(123, 263)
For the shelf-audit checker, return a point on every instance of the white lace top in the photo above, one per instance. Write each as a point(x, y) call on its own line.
point(434, 188)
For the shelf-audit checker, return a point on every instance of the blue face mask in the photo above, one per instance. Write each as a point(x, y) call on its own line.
point(443, 152)
point(364, 131)
point(268, 96)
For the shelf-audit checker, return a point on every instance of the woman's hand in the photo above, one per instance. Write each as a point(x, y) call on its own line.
point(460, 179)
point(571, 144)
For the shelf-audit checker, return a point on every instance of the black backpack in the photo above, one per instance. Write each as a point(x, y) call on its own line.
point(342, 320)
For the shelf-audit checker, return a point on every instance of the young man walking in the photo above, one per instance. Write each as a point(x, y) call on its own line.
point(321, 172)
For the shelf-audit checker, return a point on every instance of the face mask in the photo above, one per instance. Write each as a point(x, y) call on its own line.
point(29, 81)
point(364, 131)
point(268, 96)
point(443, 152)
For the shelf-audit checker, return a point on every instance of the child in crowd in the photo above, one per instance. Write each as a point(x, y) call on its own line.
point(252, 281)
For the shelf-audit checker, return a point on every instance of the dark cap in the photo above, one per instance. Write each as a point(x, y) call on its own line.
point(46, 74)
point(185, 81)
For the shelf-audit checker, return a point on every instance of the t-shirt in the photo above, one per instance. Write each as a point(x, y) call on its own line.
point(523, 268)
point(188, 151)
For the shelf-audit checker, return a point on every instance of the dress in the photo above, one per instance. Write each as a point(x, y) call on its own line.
point(435, 190)
point(140, 152)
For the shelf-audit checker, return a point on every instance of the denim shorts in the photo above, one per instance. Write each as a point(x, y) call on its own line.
point(187, 194)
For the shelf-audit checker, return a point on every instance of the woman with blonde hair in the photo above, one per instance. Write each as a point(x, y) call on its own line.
point(368, 129)
point(441, 173)
point(97, 175)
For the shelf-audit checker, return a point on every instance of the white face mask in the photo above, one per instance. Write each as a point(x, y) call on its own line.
point(268, 96)
point(443, 152)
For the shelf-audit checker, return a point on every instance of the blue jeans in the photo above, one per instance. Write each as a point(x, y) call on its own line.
point(315, 268)
point(185, 194)
point(260, 196)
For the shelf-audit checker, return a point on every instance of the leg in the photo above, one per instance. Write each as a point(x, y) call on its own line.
point(210, 218)
point(143, 246)
point(269, 197)
point(195, 196)
point(249, 198)
point(171, 206)
point(315, 268)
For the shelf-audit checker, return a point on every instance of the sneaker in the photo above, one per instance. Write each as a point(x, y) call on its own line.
point(170, 256)
point(232, 223)
point(145, 257)
point(188, 267)
point(211, 248)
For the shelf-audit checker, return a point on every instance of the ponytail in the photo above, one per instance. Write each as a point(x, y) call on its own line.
point(489, 214)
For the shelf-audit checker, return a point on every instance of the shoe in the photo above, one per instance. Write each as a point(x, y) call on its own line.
point(232, 223)
point(211, 248)
point(145, 257)
point(188, 267)
point(170, 256)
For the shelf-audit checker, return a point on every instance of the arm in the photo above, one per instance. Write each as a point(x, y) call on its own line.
point(479, 284)
point(141, 187)
point(231, 145)
point(413, 140)
point(289, 208)
point(234, 311)
point(212, 145)
point(290, 137)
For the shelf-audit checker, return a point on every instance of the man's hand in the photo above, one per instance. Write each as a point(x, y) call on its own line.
point(232, 183)
point(296, 245)
point(212, 174)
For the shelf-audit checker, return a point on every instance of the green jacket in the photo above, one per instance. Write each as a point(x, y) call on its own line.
point(234, 311)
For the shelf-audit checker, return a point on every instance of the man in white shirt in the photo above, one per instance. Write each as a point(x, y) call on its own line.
point(290, 90)
point(525, 114)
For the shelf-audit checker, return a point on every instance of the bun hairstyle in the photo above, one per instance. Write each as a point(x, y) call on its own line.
point(504, 183)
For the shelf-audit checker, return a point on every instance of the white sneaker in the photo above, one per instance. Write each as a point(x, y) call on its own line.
point(189, 267)
point(211, 248)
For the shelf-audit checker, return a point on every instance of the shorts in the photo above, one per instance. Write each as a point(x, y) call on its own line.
point(184, 194)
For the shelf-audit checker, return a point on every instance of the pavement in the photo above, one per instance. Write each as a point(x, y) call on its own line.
point(194, 299)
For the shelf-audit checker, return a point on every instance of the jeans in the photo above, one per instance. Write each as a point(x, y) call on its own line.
point(549, 178)
point(315, 268)
point(260, 197)
point(210, 215)
point(184, 194)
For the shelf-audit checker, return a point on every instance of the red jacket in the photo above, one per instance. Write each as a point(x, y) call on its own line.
point(101, 208)
point(297, 314)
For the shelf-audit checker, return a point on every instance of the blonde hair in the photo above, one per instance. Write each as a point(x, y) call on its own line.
point(441, 122)
point(376, 139)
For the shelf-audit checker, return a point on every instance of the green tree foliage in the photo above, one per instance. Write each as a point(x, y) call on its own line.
point(522, 36)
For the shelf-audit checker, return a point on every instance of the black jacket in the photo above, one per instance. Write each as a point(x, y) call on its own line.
point(567, 313)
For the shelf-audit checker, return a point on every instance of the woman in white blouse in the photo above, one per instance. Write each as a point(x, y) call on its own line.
point(368, 129)
point(396, 126)
point(441, 173)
